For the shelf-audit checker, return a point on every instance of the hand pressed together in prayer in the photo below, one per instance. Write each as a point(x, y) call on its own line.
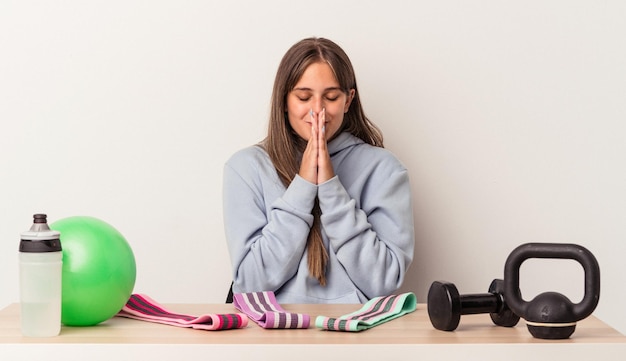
point(316, 166)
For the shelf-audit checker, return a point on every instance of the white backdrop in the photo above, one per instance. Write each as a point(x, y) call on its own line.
point(509, 115)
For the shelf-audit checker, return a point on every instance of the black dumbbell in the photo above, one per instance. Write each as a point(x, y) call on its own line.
point(445, 305)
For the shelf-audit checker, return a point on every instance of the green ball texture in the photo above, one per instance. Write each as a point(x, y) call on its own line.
point(99, 270)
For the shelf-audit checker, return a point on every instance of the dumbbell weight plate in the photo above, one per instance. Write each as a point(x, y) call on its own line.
point(444, 306)
point(504, 316)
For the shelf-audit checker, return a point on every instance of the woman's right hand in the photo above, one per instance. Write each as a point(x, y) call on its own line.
point(316, 166)
point(308, 166)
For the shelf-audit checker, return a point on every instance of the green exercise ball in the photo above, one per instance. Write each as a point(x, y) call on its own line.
point(99, 270)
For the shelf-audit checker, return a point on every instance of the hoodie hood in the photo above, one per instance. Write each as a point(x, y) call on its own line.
point(343, 141)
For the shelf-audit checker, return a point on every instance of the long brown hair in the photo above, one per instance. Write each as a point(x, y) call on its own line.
point(285, 147)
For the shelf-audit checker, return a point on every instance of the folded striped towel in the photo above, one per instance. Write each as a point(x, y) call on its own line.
point(262, 308)
point(373, 313)
point(142, 307)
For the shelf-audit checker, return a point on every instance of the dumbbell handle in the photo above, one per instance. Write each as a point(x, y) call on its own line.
point(480, 303)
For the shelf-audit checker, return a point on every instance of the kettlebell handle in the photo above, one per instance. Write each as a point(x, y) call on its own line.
point(558, 251)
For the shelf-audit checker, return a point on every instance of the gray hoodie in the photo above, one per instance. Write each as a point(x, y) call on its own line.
point(367, 225)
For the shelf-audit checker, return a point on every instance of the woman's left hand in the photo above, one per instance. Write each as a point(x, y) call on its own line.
point(325, 169)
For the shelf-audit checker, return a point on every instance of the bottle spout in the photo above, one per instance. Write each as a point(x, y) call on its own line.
point(40, 223)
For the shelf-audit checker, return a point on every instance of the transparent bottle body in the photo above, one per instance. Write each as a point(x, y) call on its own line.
point(40, 293)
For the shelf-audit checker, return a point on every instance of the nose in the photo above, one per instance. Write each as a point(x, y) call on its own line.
point(318, 105)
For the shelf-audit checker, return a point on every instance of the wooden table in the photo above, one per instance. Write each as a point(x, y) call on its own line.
point(410, 337)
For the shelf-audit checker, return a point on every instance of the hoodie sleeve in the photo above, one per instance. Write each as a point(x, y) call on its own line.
point(373, 238)
point(265, 244)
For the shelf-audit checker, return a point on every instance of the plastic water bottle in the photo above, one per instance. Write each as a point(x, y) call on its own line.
point(40, 260)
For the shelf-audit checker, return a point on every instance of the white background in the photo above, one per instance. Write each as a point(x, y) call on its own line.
point(510, 116)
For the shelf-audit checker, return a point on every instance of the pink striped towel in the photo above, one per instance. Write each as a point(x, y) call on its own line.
point(142, 307)
point(262, 308)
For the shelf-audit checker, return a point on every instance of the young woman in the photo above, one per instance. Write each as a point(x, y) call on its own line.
point(319, 211)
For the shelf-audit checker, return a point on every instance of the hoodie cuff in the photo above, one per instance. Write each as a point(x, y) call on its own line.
point(300, 194)
point(332, 194)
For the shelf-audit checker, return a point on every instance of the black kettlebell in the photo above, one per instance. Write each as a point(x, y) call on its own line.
point(551, 315)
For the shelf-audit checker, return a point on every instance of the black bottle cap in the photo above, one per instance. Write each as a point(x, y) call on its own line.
point(40, 238)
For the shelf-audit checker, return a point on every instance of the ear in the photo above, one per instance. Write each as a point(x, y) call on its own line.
point(349, 100)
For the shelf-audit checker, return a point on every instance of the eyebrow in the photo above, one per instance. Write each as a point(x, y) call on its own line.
point(325, 90)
